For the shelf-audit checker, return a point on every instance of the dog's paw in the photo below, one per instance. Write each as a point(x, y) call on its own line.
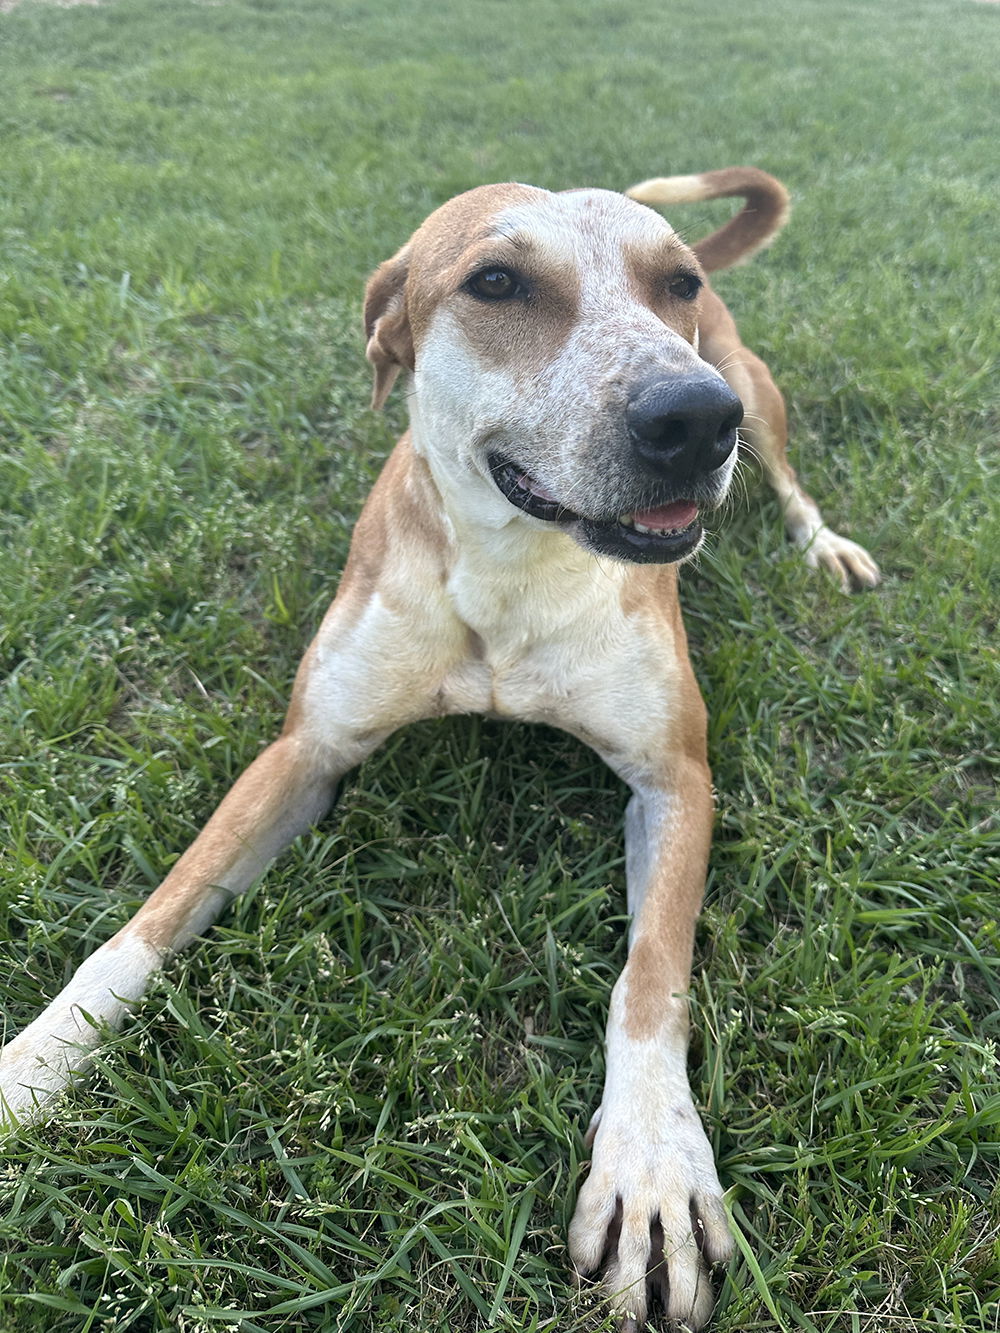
point(650, 1217)
point(42, 1062)
point(26, 1085)
point(37, 1066)
point(849, 563)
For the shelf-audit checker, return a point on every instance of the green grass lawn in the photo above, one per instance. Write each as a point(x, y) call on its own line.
point(359, 1104)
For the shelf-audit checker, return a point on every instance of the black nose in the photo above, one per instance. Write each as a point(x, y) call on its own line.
point(684, 425)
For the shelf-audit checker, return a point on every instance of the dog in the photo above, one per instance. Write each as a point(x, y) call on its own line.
point(577, 390)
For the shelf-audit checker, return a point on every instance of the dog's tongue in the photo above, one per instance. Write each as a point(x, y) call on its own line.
point(668, 518)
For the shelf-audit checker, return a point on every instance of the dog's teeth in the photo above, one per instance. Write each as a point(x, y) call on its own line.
point(629, 521)
point(652, 532)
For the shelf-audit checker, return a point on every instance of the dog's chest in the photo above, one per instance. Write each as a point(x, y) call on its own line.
point(544, 646)
point(530, 685)
point(602, 687)
point(521, 654)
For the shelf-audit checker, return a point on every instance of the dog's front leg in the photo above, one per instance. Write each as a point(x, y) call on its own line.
point(650, 1211)
point(280, 795)
point(342, 707)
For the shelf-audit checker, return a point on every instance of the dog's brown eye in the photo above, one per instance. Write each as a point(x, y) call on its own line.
point(494, 284)
point(686, 286)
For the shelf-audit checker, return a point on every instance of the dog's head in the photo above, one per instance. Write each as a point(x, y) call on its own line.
point(553, 343)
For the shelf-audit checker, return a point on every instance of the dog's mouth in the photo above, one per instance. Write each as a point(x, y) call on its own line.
point(659, 535)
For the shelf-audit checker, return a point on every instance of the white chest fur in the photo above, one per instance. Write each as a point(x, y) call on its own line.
point(550, 641)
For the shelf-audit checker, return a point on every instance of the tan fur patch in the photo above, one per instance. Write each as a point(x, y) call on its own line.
point(652, 269)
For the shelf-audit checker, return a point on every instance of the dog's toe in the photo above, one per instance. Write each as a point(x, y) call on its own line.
point(849, 563)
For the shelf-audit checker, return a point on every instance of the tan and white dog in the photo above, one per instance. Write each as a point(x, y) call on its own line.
point(576, 393)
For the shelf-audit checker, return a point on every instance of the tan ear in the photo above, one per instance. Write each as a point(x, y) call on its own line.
point(387, 324)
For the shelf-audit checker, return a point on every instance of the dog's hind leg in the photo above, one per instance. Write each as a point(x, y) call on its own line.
point(765, 432)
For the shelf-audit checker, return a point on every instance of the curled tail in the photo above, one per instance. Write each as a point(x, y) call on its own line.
point(754, 226)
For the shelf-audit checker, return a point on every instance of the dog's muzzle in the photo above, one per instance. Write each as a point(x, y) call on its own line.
point(680, 433)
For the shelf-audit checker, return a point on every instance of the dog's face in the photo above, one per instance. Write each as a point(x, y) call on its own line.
point(553, 343)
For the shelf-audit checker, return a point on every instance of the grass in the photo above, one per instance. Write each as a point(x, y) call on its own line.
point(359, 1104)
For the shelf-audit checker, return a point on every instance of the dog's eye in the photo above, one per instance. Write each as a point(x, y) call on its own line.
point(494, 284)
point(686, 286)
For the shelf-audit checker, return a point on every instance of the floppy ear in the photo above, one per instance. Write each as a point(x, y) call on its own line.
point(387, 324)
